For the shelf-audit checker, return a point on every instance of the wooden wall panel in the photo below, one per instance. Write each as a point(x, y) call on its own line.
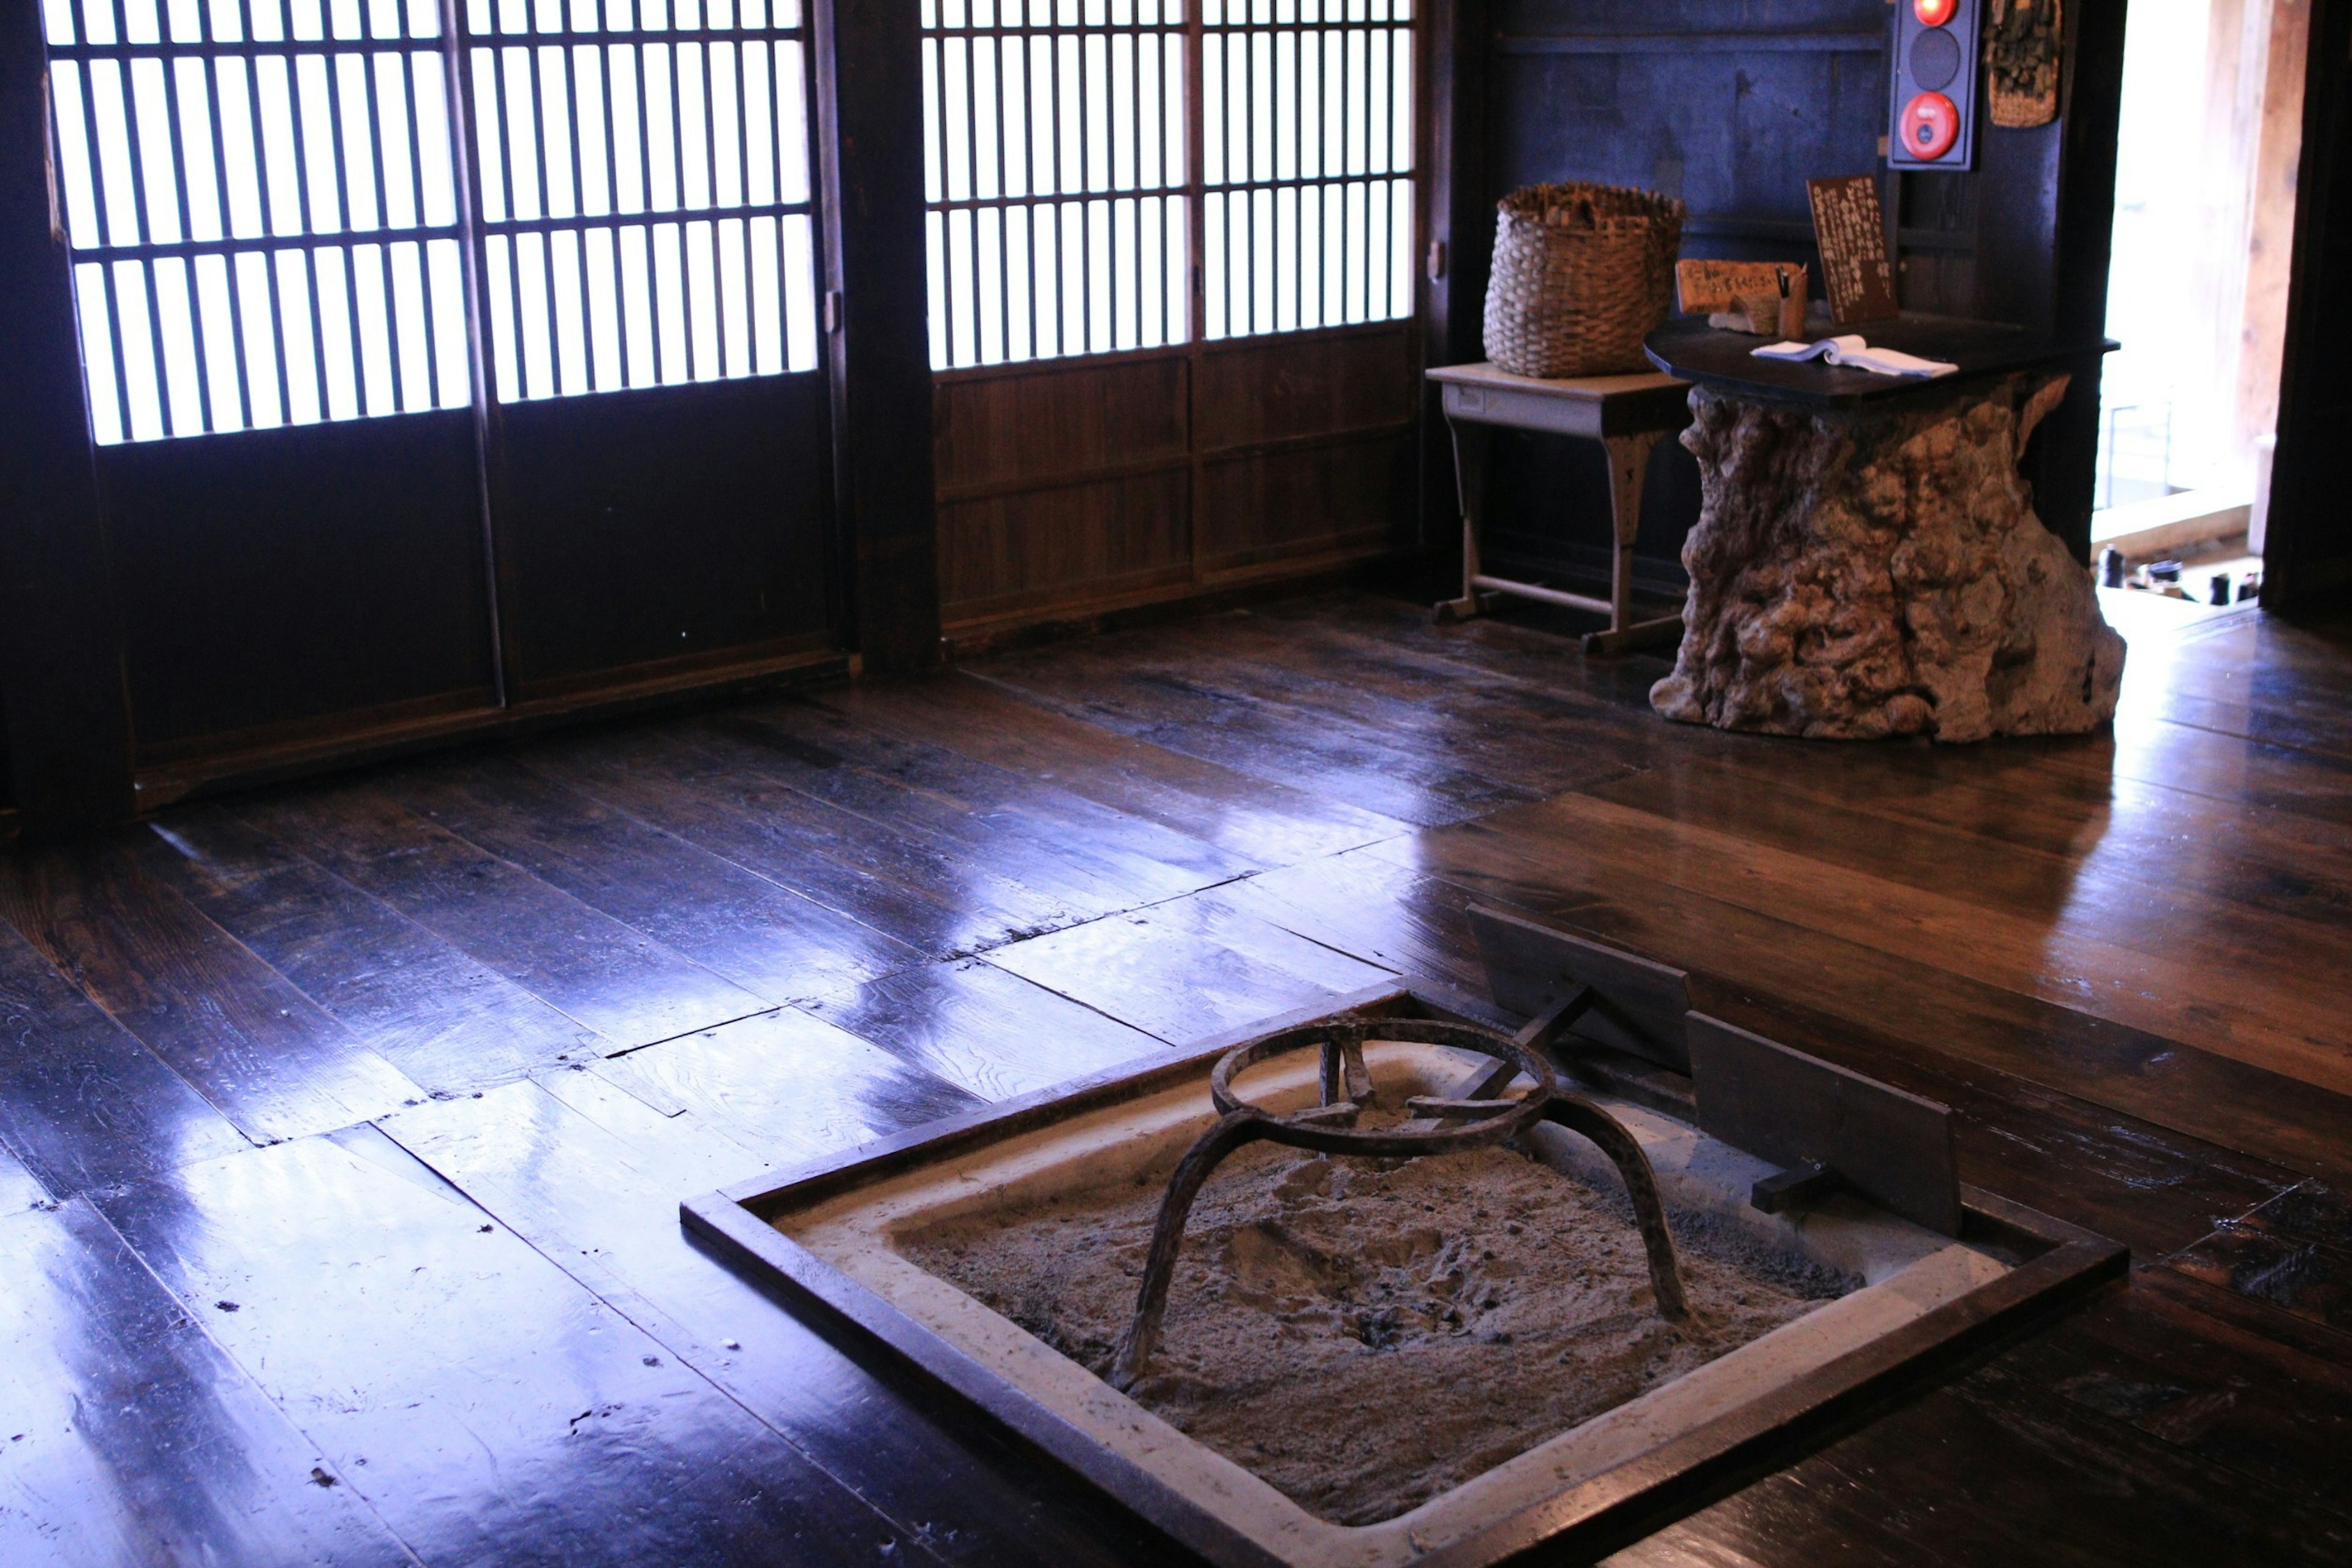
point(271, 577)
point(1069, 489)
point(1056, 421)
point(1936, 235)
point(1316, 500)
point(644, 528)
point(1268, 389)
point(1730, 108)
point(1042, 549)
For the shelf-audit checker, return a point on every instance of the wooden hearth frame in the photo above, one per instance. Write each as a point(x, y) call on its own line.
point(2060, 1263)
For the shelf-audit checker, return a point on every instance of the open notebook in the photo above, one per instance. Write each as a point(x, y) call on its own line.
point(1852, 353)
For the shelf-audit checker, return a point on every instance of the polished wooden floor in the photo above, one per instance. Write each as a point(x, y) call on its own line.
point(346, 1125)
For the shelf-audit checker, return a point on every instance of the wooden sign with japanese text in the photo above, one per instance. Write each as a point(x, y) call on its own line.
point(1703, 287)
point(1851, 228)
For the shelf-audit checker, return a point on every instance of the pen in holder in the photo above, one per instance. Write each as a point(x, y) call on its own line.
point(1792, 301)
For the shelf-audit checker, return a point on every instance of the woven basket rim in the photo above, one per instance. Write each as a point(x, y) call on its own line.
point(1633, 205)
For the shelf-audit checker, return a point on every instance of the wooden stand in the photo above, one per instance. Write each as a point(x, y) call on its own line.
point(1626, 413)
point(1867, 561)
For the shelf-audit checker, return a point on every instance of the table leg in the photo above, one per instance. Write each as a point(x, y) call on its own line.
point(1629, 468)
point(1470, 444)
point(1629, 473)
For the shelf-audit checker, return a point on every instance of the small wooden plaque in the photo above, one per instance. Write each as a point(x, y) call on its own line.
point(2021, 43)
point(1895, 1148)
point(1851, 228)
point(1703, 288)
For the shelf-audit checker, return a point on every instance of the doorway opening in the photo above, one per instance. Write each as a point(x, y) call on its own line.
point(2205, 178)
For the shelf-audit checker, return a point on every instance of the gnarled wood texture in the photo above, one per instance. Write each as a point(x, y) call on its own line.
point(1879, 571)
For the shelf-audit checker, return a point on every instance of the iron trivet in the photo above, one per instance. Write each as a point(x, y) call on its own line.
point(1439, 1126)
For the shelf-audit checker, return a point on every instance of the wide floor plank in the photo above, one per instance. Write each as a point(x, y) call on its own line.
point(19, 1188)
point(896, 877)
point(1059, 869)
point(1265, 822)
point(1187, 969)
point(2224, 1007)
point(1372, 907)
point(623, 985)
point(1195, 714)
point(2294, 1252)
point(265, 1055)
point(772, 942)
point(595, 1184)
point(486, 1406)
point(2167, 1358)
point(2208, 1095)
point(450, 1023)
point(2007, 1465)
point(132, 1440)
point(2197, 903)
point(1517, 735)
point(1138, 859)
point(786, 1084)
point(83, 1101)
point(984, 1029)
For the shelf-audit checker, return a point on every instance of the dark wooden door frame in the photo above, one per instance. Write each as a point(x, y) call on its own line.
point(875, 315)
point(2307, 556)
point(69, 735)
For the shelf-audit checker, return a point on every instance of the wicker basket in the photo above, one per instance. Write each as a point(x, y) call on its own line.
point(1582, 274)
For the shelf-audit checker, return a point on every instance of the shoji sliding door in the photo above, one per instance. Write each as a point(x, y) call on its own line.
point(442, 355)
point(268, 268)
point(657, 430)
point(1172, 249)
point(1306, 392)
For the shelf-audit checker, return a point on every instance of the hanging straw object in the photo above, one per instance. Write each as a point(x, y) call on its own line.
point(1582, 274)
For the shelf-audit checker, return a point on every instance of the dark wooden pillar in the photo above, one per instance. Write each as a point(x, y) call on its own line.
point(1461, 208)
point(68, 744)
point(870, 142)
point(1459, 218)
point(2066, 174)
point(2308, 559)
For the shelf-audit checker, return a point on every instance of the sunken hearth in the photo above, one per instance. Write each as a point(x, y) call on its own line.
point(1365, 1333)
point(1388, 1287)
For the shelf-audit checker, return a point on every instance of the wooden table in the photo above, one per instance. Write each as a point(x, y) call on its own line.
point(1626, 413)
point(1690, 348)
point(1867, 561)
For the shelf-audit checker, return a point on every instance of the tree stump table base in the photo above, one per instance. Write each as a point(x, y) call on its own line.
point(1879, 570)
